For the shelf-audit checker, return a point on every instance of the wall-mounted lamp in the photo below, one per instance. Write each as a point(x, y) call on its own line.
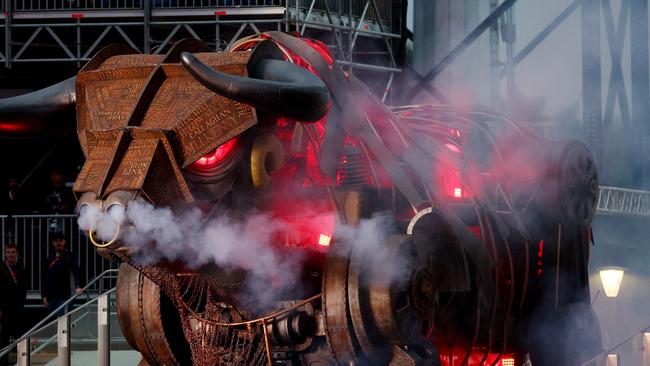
point(611, 277)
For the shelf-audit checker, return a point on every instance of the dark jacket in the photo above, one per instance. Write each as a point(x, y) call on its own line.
point(17, 205)
point(12, 291)
point(57, 281)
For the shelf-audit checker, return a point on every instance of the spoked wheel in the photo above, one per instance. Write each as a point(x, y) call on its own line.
point(380, 306)
point(576, 181)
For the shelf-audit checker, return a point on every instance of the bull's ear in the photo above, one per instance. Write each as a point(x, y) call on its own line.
point(41, 112)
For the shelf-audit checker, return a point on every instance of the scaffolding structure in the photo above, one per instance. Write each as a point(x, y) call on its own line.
point(45, 31)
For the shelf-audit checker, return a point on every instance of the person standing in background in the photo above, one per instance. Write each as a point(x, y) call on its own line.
point(59, 199)
point(61, 271)
point(12, 201)
point(13, 291)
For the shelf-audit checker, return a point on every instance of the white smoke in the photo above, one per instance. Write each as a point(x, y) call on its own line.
point(160, 234)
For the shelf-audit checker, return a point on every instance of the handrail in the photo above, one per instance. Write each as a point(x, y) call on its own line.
point(608, 351)
point(51, 315)
point(74, 311)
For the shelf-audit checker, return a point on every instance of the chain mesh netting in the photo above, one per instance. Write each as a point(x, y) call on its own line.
point(216, 331)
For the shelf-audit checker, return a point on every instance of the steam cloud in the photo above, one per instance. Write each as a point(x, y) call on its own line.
point(160, 234)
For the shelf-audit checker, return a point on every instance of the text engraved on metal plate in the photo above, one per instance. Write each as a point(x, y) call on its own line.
point(211, 124)
point(101, 149)
point(133, 167)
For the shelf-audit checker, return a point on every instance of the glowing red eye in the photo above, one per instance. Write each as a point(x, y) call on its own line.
point(215, 157)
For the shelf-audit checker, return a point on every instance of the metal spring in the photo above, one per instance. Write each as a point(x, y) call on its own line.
point(352, 168)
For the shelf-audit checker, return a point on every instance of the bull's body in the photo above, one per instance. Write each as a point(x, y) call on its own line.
point(490, 225)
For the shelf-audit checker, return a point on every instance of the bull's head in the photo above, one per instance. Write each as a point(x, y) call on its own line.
point(152, 128)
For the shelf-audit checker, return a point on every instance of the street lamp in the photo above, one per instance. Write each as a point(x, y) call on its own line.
point(611, 277)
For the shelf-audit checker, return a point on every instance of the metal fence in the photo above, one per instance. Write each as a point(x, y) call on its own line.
point(343, 7)
point(180, 4)
point(32, 233)
point(59, 5)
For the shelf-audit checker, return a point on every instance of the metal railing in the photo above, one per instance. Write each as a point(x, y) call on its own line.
point(635, 349)
point(181, 4)
point(623, 201)
point(32, 234)
point(342, 7)
point(59, 5)
point(62, 5)
point(24, 343)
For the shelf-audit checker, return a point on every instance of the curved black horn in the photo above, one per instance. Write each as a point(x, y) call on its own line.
point(31, 113)
point(274, 86)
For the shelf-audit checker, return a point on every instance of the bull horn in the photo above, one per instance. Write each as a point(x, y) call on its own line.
point(30, 114)
point(274, 86)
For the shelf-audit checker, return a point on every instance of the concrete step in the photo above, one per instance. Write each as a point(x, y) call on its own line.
point(82, 358)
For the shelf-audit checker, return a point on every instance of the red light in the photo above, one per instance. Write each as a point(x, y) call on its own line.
point(324, 240)
point(215, 157)
point(453, 148)
point(451, 184)
point(508, 361)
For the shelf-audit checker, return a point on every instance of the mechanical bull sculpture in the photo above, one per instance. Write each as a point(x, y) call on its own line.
point(490, 222)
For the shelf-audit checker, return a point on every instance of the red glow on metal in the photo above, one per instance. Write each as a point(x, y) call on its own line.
point(322, 49)
point(453, 148)
point(451, 184)
point(540, 258)
point(12, 127)
point(215, 157)
point(456, 356)
point(220, 13)
point(77, 15)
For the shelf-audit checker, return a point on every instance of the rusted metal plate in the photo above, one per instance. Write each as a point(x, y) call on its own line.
point(209, 125)
point(101, 146)
point(134, 165)
point(105, 98)
point(148, 165)
point(178, 96)
point(138, 303)
point(127, 61)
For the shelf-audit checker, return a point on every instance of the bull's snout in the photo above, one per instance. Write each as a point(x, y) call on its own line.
point(102, 220)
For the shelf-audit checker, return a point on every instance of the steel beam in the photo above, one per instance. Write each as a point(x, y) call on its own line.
point(8, 13)
point(640, 83)
point(461, 47)
point(541, 36)
point(63, 340)
point(103, 331)
point(591, 77)
point(616, 39)
point(24, 352)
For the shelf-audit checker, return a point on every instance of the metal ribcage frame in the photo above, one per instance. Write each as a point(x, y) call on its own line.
point(622, 201)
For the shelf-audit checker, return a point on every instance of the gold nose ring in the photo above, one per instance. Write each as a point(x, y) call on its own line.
point(103, 244)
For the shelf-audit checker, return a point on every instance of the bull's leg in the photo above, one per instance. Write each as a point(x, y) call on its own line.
point(149, 321)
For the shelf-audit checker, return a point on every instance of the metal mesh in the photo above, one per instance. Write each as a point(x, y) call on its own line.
point(216, 331)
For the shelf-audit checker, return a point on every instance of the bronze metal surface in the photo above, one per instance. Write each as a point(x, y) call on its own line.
point(141, 121)
point(140, 317)
point(340, 334)
point(101, 149)
point(267, 155)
